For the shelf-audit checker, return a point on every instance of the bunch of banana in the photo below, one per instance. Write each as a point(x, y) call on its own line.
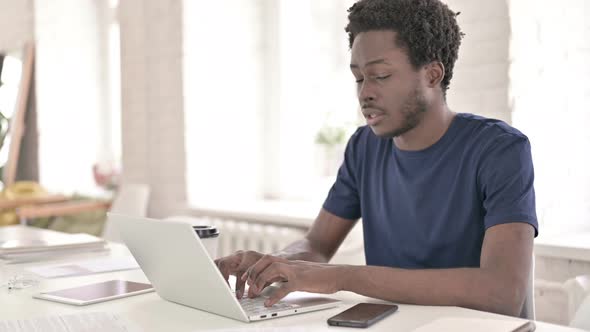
point(17, 191)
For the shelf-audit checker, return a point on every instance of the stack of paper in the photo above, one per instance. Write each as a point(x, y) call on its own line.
point(21, 241)
point(85, 267)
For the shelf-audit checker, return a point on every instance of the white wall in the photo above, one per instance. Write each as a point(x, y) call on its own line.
point(550, 91)
point(480, 78)
point(152, 101)
point(16, 23)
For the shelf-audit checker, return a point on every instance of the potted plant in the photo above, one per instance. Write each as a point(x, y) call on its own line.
point(330, 141)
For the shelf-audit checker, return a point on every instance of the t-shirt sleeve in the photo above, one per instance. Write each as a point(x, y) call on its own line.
point(343, 198)
point(506, 182)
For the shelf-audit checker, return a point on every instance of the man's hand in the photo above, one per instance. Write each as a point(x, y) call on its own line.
point(236, 264)
point(294, 275)
point(319, 245)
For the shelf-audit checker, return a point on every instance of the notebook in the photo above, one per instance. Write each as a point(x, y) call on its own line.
point(459, 324)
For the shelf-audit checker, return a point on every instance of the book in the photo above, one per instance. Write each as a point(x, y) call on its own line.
point(24, 240)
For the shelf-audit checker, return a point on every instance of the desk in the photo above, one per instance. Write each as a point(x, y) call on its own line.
point(152, 313)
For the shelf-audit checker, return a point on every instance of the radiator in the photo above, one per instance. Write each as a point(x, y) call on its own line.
point(247, 235)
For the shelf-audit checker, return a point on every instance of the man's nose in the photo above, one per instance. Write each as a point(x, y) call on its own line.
point(365, 92)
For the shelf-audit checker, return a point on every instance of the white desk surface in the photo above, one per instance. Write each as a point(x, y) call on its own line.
point(152, 313)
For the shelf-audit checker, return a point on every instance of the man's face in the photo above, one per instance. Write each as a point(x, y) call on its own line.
point(388, 86)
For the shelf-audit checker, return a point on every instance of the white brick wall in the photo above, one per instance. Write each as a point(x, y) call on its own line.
point(152, 101)
point(550, 91)
point(16, 23)
point(480, 77)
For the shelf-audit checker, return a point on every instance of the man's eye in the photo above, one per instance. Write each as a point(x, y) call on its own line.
point(382, 77)
point(359, 81)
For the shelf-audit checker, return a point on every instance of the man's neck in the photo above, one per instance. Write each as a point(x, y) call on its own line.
point(433, 126)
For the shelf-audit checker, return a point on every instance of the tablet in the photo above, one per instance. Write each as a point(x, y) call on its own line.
point(94, 293)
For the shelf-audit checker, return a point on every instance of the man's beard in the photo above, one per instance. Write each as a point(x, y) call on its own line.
point(413, 111)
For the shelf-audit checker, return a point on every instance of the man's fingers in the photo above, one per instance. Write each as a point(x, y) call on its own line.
point(240, 285)
point(243, 268)
point(278, 294)
point(228, 265)
point(252, 293)
point(224, 267)
point(254, 270)
point(224, 272)
point(274, 272)
point(236, 264)
point(255, 289)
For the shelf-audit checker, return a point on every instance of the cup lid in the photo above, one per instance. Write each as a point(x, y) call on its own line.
point(206, 231)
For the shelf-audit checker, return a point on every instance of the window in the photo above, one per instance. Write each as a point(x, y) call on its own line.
point(10, 77)
point(77, 77)
point(258, 92)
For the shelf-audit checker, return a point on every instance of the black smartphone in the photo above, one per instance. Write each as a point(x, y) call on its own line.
point(362, 315)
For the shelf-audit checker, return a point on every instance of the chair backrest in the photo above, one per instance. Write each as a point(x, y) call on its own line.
point(579, 294)
point(528, 308)
point(582, 316)
point(131, 200)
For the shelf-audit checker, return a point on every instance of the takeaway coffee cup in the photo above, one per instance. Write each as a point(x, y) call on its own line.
point(209, 237)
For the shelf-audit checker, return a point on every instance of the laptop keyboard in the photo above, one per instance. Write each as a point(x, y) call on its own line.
point(256, 306)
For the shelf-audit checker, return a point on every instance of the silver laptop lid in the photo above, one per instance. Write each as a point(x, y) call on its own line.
point(162, 248)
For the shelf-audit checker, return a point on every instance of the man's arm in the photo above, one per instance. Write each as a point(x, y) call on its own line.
point(498, 285)
point(321, 241)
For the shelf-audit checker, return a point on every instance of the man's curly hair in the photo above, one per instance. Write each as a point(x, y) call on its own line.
point(427, 29)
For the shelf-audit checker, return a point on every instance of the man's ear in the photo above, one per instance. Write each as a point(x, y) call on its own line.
point(435, 72)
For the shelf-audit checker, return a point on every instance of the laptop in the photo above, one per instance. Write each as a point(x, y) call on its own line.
point(177, 264)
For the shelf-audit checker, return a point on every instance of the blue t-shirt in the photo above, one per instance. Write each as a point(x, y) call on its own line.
point(431, 208)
